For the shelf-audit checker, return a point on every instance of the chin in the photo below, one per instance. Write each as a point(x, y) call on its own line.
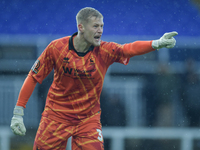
point(97, 44)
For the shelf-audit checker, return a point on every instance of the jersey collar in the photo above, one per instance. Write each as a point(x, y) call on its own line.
point(71, 46)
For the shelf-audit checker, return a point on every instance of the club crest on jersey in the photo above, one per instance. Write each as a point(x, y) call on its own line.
point(66, 60)
point(35, 66)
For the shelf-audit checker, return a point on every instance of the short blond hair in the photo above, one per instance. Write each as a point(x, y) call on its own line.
point(86, 13)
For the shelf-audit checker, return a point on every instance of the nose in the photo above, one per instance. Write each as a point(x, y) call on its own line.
point(100, 30)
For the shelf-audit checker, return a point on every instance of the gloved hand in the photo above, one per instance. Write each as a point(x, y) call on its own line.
point(17, 124)
point(166, 40)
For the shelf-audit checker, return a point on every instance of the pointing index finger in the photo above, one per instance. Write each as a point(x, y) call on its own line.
point(170, 34)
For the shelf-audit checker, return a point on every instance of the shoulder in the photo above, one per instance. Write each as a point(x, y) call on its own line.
point(109, 45)
point(62, 41)
point(58, 44)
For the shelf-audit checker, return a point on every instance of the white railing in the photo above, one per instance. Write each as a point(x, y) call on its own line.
point(5, 135)
point(119, 134)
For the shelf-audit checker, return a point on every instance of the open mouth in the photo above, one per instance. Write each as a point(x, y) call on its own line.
point(97, 37)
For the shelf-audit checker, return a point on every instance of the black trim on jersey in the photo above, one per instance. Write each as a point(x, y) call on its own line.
point(71, 46)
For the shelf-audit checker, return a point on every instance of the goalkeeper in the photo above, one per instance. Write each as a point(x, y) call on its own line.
point(80, 62)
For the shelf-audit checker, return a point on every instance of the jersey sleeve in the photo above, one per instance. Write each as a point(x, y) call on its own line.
point(112, 52)
point(43, 65)
point(137, 48)
point(26, 91)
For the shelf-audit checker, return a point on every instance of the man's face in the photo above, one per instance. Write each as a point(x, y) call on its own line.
point(93, 30)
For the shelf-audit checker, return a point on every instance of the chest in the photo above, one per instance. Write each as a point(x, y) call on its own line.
point(73, 67)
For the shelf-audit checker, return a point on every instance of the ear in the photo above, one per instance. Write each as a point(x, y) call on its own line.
point(81, 28)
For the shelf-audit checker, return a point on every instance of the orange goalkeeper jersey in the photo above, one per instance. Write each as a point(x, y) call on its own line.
point(78, 77)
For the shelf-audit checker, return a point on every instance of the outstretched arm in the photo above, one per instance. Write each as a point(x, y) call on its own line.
point(137, 48)
point(142, 47)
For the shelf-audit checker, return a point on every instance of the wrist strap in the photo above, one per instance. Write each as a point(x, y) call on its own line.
point(155, 44)
point(18, 110)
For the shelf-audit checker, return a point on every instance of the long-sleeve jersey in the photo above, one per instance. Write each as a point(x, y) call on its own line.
point(78, 77)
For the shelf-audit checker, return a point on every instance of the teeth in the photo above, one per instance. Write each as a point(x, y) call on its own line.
point(97, 37)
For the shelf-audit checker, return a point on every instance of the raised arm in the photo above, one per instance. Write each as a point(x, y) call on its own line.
point(137, 48)
point(142, 47)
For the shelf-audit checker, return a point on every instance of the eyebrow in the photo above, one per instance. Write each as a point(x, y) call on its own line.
point(98, 24)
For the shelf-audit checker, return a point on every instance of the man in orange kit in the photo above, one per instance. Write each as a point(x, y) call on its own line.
point(80, 63)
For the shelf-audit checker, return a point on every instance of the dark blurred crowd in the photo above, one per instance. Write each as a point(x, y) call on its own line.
point(173, 99)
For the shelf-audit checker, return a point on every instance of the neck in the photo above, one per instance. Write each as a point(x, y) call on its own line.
point(80, 44)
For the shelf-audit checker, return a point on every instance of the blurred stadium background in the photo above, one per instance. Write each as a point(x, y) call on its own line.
point(153, 103)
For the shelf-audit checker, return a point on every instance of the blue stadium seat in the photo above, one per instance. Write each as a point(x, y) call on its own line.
point(121, 17)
